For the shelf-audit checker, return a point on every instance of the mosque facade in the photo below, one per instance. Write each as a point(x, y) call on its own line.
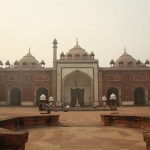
point(75, 78)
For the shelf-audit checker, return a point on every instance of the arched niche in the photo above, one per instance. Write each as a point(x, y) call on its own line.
point(15, 97)
point(39, 92)
point(139, 96)
point(115, 91)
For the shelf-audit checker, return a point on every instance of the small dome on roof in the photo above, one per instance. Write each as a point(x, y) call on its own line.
point(92, 54)
point(62, 55)
point(138, 62)
point(7, 63)
point(147, 62)
point(125, 60)
point(1, 63)
point(42, 62)
point(112, 62)
point(28, 61)
point(16, 63)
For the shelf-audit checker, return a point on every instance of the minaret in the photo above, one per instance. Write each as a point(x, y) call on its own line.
point(54, 53)
point(54, 87)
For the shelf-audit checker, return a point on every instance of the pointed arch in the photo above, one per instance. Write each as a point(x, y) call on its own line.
point(115, 91)
point(77, 86)
point(15, 97)
point(76, 73)
point(39, 92)
point(139, 96)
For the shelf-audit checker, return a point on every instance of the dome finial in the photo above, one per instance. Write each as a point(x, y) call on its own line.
point(29, 49)
point(124, 49)
point(76, 40)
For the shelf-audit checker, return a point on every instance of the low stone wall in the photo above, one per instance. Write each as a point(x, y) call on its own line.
point(125, 120)
point(29, 121)
point(15, 140)
point(129, 121)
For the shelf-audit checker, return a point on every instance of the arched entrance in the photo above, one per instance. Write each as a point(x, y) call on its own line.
point(115, 91)
point(77, 96)
point(39, 93)
point(139, 96)
point(15, 97)
point(77, 89)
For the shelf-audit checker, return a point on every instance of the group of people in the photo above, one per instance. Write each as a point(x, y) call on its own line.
point(49, 106)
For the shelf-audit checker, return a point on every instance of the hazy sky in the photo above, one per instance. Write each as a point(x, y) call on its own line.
point(101, 26)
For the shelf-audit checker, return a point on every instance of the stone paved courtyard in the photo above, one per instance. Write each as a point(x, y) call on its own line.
point(81, 130)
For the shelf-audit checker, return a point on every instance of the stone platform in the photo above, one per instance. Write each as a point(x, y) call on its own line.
point(13, 138)
point(134, 121)
point(29, 121)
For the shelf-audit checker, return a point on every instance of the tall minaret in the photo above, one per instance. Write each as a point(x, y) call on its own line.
point(54, 53)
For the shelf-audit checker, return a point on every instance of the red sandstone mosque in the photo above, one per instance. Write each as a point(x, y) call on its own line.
point(75, 76)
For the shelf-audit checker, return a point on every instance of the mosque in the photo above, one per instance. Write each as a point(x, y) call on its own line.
point(75, 77)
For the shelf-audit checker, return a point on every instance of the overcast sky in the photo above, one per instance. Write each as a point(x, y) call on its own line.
point(101, 26)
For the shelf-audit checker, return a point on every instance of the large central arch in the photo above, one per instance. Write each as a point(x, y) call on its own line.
point(77, 87)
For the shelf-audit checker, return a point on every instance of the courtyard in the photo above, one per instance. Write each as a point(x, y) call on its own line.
point(81, 130)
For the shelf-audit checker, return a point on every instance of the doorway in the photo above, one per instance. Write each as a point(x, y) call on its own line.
point(77, 96)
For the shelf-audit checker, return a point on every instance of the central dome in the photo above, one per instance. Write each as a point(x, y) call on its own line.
point(77, 50)
point(77, 53)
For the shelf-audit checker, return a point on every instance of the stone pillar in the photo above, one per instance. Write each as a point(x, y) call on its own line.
point(146, 97)
point(95, 86)
point(54, 86)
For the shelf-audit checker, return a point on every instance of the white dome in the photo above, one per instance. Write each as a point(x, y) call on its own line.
point(42, 97)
